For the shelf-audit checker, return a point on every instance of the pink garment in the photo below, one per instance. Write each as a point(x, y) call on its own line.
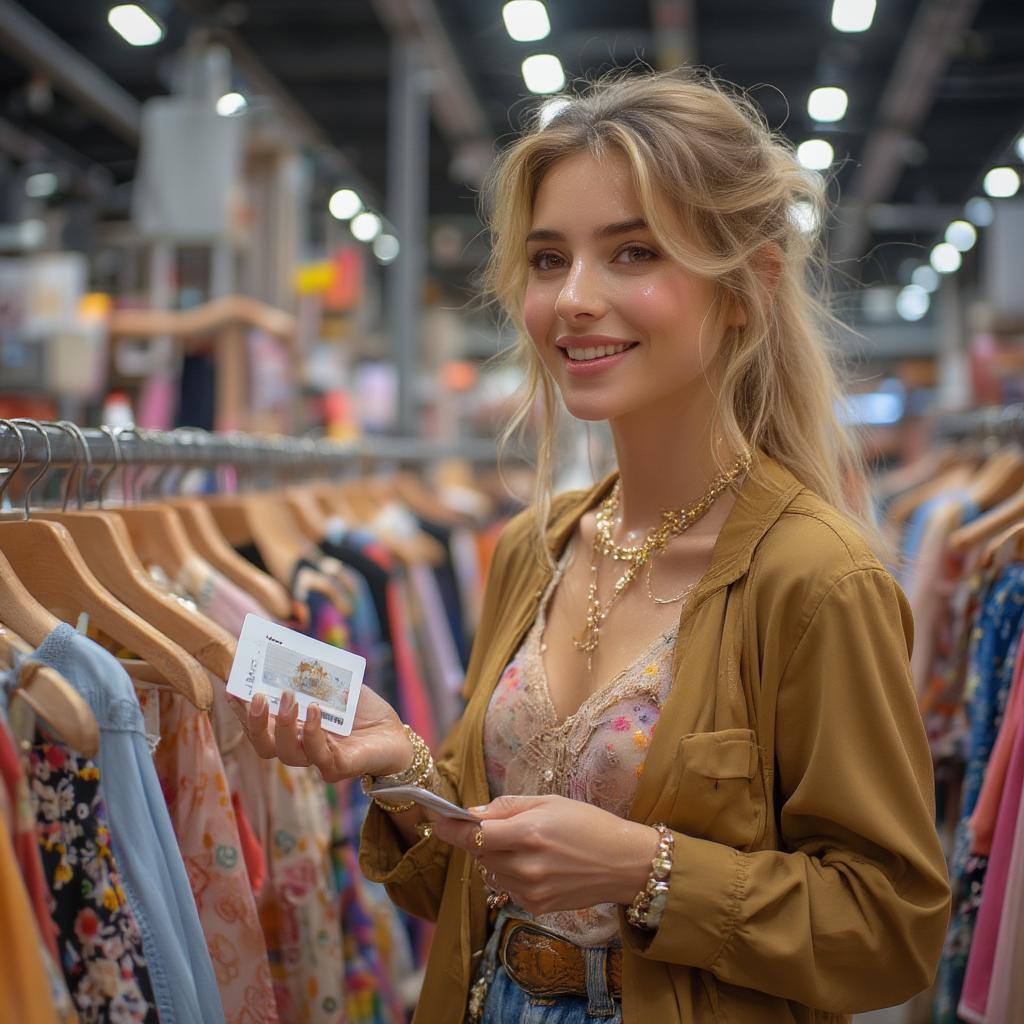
point(192, 778)
point(227, 603)
point(438, 646)
point(974, 997)
point(983, 821)
point(1006, 991)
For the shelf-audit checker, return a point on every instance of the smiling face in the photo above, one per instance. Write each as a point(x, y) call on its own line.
point(619, 325)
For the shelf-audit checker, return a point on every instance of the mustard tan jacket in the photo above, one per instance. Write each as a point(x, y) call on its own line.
point(790, 761)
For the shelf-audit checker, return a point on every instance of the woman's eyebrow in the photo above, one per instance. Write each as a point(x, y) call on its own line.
point(607, 231)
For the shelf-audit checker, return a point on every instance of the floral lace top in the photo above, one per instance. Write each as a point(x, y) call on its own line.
point(595, 754)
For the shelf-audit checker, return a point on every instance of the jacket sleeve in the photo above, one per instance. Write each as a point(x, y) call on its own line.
point(414, 876)
point(851, 912)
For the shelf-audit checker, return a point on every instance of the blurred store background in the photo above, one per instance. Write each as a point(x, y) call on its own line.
point(262, 216)
point(324, 160)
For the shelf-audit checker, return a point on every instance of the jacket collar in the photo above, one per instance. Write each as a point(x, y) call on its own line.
point(766, 491)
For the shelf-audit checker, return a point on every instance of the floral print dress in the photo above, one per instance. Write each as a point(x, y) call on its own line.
point(100, 945)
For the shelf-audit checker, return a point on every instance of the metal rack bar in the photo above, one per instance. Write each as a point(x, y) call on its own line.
point(274, 455)
point(997, 422)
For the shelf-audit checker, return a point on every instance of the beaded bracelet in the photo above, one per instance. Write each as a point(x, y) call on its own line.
point(419, 773)
point(649, 903)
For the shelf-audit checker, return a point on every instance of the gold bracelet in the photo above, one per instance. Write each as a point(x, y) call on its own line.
point(419, 773)
point(649, 903)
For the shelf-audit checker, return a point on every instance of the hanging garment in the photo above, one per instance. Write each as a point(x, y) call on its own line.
point(24, 988)
point(141, 835)
point(191, 775)
point(22, 827)
point(1006, 989)
point(101, 947)
point(991, 664)
point(980, 962)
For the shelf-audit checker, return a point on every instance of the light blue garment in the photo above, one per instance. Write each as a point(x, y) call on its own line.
point(914, 535)
point(141, 836)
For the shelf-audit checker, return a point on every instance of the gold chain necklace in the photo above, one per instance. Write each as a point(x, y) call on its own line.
point(673, 523)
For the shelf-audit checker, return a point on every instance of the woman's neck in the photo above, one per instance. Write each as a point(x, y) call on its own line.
point(666, 461)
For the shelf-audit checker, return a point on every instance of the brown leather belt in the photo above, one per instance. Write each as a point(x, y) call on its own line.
point(545, 964)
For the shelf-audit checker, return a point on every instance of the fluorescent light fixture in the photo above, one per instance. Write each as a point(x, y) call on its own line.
point(804, 216)
point(526, 20)
point(912, 302)
point(543, 73)
point(231, 104)
point(41, 185)
point(925, 277)
point(135, 25)
point(853, 15)
point(365, 226)
point(345, 204)
point(551, 109)
point(978, 210)
point(815, 154)
point(1019, 147)
point(1002, 182)
point(945, 258)
point(386, 248)
point(961, 235)
point(827, 103)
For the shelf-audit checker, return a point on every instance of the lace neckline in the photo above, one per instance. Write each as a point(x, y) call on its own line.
point(536, 649)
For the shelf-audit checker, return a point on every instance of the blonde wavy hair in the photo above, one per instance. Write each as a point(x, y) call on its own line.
point(726, 198)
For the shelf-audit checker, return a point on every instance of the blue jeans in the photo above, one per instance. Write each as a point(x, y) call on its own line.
point(507, 1003)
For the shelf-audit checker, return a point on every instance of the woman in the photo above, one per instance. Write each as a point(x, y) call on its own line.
point(766, 853)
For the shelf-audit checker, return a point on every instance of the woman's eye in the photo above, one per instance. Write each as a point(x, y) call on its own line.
point(545, 260)
point(634, 254)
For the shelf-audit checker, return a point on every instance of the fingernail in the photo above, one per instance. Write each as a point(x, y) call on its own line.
point(477, 810)
point(259, 704)
point(313, 713)
point(287, 700)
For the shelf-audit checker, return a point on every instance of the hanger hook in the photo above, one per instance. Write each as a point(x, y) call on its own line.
point(30, 486)
point(76, 461)
point(10, 474)
point(131, 492)
point(83, 478)
point(101, 486)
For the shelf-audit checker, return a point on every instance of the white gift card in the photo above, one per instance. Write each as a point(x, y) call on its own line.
point(272, 658)
point(427, 800)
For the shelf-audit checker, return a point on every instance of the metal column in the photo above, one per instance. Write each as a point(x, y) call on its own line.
point(408, 180)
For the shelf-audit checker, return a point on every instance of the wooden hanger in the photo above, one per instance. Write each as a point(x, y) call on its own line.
point(208, 540)
point(1000, 477)
point(105, 543)
point(995, 521)
point(265, 521)
point(45, 559)
point(1006, 547)
point(955, 477)
point(51, 697)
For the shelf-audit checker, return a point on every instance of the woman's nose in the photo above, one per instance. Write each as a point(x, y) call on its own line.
point(581, 294)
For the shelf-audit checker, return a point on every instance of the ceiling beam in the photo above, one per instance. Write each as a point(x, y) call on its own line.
point(29, 41)
point(454, 103)
point(931, 41)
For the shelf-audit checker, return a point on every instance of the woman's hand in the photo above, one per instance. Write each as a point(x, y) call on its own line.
point(552, 853)
point(377, 746)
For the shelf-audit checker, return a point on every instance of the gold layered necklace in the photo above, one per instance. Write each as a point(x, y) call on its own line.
point(673, 523)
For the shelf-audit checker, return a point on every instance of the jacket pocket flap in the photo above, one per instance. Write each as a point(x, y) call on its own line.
point(727, 754)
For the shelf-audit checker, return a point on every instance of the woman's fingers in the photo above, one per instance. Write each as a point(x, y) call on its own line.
point(288, 732)
point(259, 727)
point(318, 748)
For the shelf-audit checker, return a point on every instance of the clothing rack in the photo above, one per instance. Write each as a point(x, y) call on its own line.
point(33, 443)
point(1000, 423)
